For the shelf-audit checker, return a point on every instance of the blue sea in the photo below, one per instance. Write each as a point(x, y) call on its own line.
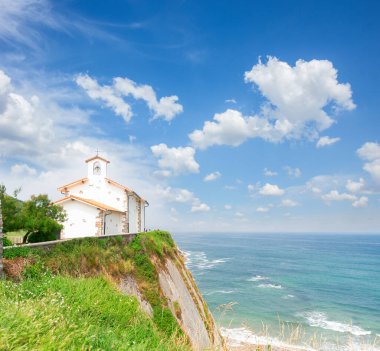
point(318, 291)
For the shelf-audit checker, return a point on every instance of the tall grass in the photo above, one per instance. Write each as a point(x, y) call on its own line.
point(65, 297)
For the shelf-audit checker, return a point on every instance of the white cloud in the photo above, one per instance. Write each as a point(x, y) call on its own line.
point(176, 159)
point(177, 195)
point(271, 190)
point(297, 98)
point(298, 95)
point(231, 101)
point(262, 209)
point(239, 214)
point(200, 208)
point(19, 17)
point(361, 202)
point(23, 170)
point(184, 196)
point(251, 187)
point(106, 94)
point(212, 176)
point(167, 107)
point(370, 152)
point(293, 172)
point(334, 195)
point(289, 203)
point(355, 187)
point(326, 141)
point(227, 207)
point(269, 173)
point(113, 97)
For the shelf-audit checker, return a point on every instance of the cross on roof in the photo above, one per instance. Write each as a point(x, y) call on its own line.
point(97, 152)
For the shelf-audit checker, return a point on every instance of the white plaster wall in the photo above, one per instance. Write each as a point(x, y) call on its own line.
point(132, 215)
point(114, 223)
point(142, 217)
point(101, 191)
point(81, 220)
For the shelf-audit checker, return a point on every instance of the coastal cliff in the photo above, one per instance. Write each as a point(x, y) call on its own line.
point(112, 293)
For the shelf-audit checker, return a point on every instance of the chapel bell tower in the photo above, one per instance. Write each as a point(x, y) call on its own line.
point(97, 168)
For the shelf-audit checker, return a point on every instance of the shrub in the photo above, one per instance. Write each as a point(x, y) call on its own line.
point(6, 241)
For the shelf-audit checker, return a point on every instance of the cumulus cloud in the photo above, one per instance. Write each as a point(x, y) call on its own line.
point(297, 100)
point(177, 160)
point(356, 202)
point(212, 176)
point(299, 95)
point(251, 187)
point(200, 208)
point(269, 173)
point(23, 169)
point(184, 196)
point(271, 190)
point(31, 125)
point(326, 141)
point(361, 202)
point(355, 187)
point(262, 209)
point(288, 203)
point(334, 195)
point(370, 152)
point(113, 96)
point(293, 172)
point(227, 207)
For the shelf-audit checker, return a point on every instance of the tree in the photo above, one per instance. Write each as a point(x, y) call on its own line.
point(41, 219)
point(11, 210)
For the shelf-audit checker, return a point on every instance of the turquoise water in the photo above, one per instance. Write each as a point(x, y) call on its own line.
point(327, 284)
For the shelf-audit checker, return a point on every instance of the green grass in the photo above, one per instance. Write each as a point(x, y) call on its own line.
point(18, 233)
point(66, 296)
point(66, 313)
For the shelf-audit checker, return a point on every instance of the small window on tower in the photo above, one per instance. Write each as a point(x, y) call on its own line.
point(97, 168)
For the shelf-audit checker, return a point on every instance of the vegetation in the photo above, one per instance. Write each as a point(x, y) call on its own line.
point(68, 292)
point(38, 217)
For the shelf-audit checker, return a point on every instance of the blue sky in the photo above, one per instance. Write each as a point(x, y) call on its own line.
point(227, 116)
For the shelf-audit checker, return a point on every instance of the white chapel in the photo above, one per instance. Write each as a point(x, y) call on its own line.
point(96, 205)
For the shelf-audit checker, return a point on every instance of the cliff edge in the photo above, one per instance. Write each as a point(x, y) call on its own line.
point(156, 304)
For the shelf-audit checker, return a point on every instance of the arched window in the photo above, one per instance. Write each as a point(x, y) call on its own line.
point(96, 168)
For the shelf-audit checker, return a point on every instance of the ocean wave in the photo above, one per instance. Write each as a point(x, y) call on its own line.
point(199, 260)
point(236, 337)
point(287, 297)
point(257, 278)
point(270, 286)
point(320, 319)
point(239, 336)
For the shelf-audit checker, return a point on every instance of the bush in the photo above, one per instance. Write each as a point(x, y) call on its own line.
point(6, 241)
point(38, 237)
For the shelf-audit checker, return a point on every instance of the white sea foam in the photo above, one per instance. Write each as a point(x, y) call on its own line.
point(239, 336)
point(320, 319)
point(236, 337)
point(257, 278)
point(287, 297)
point(199, 260)
point(270, 286)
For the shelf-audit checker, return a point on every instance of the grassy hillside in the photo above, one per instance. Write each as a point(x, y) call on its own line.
point(66, 297)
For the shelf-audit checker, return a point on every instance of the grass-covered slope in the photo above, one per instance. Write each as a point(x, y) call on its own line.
point(66, 298)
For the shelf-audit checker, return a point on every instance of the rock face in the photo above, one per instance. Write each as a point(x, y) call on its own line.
point(185, 302)
point(129, 286)
point(192, 316)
